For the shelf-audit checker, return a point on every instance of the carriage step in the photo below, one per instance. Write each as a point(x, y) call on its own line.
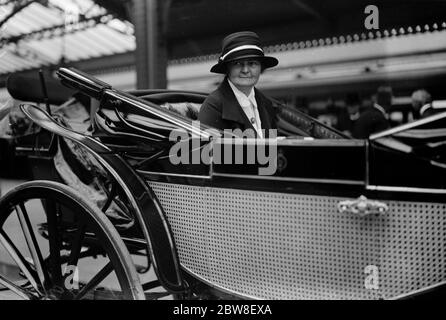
point(156, 295)
point(101, 294)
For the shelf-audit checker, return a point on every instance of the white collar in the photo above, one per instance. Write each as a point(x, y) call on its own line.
point(381, 109)
point(243, 100)
point(424, 108)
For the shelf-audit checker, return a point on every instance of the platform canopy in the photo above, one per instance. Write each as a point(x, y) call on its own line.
point(54, 32)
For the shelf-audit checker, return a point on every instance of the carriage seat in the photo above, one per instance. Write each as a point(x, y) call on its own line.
point(186, 109)
point(187, 104)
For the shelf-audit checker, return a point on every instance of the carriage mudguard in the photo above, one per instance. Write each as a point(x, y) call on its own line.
point(143, 201)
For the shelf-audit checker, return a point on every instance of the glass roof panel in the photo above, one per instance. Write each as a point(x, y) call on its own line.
point(72, 30)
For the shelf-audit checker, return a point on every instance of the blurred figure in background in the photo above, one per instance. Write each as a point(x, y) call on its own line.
point(350, 114)
point(375, 118)
point(421, 104)
point(329, 116)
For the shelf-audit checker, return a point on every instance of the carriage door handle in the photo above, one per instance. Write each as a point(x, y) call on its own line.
point(362, 207)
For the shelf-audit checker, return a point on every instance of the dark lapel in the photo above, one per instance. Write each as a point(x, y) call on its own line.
point(232, 111)
point(265, 108)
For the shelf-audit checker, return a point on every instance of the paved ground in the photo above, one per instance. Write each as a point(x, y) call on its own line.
point(13, 229)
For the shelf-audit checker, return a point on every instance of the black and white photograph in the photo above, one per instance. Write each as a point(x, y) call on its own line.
point(222, 155)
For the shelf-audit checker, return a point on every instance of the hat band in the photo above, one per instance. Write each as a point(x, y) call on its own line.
point(244, 47)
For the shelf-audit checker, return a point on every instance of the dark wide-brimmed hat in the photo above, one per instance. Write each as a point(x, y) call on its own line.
point(242, 45)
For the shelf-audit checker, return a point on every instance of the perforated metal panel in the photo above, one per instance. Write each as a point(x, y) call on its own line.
point(286, 246)
point(413, 247)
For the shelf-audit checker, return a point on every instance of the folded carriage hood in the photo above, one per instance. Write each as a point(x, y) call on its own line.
point(28, 87)
point(83, 82)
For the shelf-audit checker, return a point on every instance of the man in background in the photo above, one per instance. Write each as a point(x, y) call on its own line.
point(421, 104)
point(350, 114)
point(375, 118)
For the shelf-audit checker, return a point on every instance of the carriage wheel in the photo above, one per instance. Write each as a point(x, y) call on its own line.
point(60, 246)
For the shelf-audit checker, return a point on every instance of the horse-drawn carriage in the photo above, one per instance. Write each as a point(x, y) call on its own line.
point(328, 217)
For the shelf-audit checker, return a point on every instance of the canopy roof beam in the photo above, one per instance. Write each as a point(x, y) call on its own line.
point(47, 33)
point(18, 6)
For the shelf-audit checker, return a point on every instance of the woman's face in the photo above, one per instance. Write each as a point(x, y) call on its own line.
point(245, 73)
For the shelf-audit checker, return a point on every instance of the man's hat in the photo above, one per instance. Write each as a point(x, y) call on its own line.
point(241, 45)
point(384, 96)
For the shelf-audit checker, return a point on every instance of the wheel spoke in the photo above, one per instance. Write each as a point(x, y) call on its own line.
point(79, 229)
point(54, 242)
point(32, 243)
point(97, 279)
point(19, 259)
point(76, 245)
point(16, 289)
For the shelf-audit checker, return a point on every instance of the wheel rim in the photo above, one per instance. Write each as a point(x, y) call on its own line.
point(61, 246)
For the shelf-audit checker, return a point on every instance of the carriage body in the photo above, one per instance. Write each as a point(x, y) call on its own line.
point(337, 218)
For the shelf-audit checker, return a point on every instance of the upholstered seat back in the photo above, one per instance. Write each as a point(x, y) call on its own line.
point(186, 109)
point(187, 104)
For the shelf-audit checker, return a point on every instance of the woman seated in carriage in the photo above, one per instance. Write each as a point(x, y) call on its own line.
point(236, 103)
